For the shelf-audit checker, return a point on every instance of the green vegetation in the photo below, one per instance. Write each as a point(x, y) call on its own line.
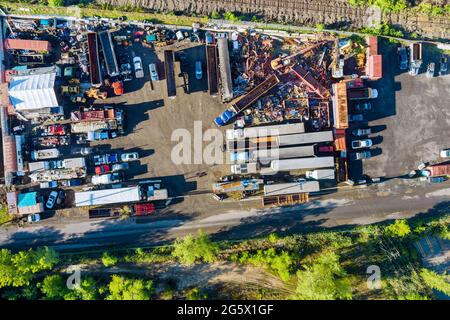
point(399, 228)
point(55, 3)
point(230, 16)
point(19, 269)
point(433, 10)
point(383, 30)
point(4, 214)
point(191, 249)
point(215, 15)
point(121, 288)
point(109, 259)
point(402, 5)
point(319, 265)
point(323, 278)
point(320, 26)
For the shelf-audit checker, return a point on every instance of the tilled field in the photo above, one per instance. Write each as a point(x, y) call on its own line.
point(335, 14)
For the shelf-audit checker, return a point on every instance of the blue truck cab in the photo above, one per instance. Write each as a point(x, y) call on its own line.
point(224, 118)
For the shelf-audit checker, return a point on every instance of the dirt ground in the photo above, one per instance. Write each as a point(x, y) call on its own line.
point(151, 118)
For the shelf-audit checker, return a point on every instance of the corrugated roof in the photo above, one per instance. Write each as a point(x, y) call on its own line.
point(33, 91)
point(33, 45)
point(372, 45)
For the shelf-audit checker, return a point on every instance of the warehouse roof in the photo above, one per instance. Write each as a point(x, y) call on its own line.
point(34, 91)
point(22, 44)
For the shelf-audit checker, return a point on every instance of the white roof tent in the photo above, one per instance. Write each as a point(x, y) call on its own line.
point(32, 92)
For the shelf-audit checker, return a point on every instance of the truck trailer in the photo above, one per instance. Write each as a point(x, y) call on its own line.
point(320, 174)
point(44, 154)
point(442, 169)
point(302, 163)
point(264, 155)
point(305, 138)
point(290, 188)
point(362, 93)
point(265, 131)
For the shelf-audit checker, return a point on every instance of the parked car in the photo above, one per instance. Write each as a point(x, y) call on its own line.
point(356, 117)
point(364, 107)
point(48, 185)
point(403, 56)
point(130, 156)
point(35, 217)
point(61, 198)
point(437, 179)
point(120, 166)
point(445, 153)
point(51, 200)
point(153, 72)
point(443, 65)
point(104, 168)
point(198, 70)
point(138, 71)
point(81, 151)
point(106, 159)
point(71, 183)
point(358, 144)
point(360, 155)
point(361, 132)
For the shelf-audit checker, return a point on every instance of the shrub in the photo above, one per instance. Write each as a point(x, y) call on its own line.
point(399, 228)
point(109, 260)
point(191, 249)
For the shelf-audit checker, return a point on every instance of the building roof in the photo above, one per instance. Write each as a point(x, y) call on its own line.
point(375, 67)
point(27, 199)
point(32, 92)
point(372, 45)
point(22, 44)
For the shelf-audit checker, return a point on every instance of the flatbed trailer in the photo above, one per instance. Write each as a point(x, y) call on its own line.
point(211, 60)
point(265, 131)
point(285, 200)
point(305, 138)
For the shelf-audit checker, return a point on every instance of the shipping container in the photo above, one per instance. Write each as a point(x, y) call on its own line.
point(107, 196)
point(281, 153)
point(320, 174)
point(264, 131)
point(305, 138)
point(44, 154)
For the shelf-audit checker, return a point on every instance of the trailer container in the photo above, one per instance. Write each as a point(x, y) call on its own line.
point(305, 138)
point(211, 60)
point(281, 153)
point(108, 53)
point(170, 73)
point(291, 188)
point(245, 168)
point(38, 166)
point(107, 196)
point(302, 163)
point(320, 174)
point(74, 163)
point(94, 67)
point(264, 131)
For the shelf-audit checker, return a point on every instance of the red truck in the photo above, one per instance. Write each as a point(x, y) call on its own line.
point(143, 209)
point(442, 169)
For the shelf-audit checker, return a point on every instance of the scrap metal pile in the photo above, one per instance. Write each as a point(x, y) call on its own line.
point(303, 93)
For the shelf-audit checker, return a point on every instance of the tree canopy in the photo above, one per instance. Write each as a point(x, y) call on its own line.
point(399, 228)
point(121, 288)
point(323, 278)
point(193, 248)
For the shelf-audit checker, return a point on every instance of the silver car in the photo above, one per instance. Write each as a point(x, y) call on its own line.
point(360, 155)
point(358, 144)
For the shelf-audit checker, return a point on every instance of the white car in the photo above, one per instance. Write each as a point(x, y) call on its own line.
point(138, 70)
point(35, 217)
point(358, 144)
point(51, 200)
point(130, 156)
point(119, 166)
point(445, 153)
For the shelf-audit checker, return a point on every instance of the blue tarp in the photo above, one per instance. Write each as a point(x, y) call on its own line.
point(27, 199)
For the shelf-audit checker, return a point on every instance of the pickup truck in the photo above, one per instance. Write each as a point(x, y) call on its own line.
point(107, 178)
point(100, 135)
point(106, 159)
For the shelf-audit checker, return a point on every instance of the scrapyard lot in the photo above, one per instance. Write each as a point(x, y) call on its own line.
point(150, 119)
point(410, 118)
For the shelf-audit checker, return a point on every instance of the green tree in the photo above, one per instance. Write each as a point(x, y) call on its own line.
point(436, 281)
point(18, 269)
point(190, 249)
point(54, 287)
point(194, 294)
point(323, 278)
point(399, 228)
point(215, 15)
point(121, 288)
point(109, 260)
point(320, 26)
point(4, 214)
point(230, 16)
point(87, 290)
point(56, 3)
